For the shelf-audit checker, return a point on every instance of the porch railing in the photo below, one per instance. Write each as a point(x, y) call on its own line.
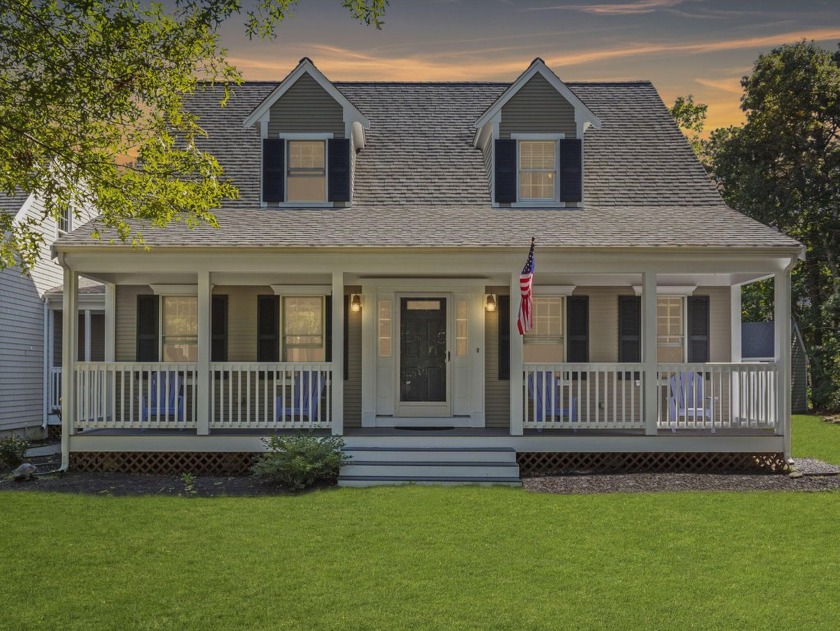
point(717, 396)
point(583, 396)
point(135, 395)
point(270, 396)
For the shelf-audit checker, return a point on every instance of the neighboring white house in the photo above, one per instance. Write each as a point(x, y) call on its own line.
point(366, 283)
point(29, 367)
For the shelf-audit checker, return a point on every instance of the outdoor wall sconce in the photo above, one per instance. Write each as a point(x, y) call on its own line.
point(490, 305)
point(355, 303)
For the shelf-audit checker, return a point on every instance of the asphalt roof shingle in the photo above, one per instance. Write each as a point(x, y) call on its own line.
point(12, 203)
point(420, 181)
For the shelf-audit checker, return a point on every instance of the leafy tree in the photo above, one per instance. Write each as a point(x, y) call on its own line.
point(782, 167)
point(92, 108)
point(691, 119)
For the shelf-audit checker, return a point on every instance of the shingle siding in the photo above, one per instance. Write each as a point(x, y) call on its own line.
point(306, 107)
point(537, 108)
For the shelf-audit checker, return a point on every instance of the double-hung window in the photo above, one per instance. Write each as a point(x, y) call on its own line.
point(545, 342)
point(670, 329)
point(65, 221)
point(179, 317)
point(306, 173)
point(303, 329)
point(537, 170)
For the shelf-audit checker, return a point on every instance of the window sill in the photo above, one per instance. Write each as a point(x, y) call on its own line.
point(305, 205)
point(539, 204)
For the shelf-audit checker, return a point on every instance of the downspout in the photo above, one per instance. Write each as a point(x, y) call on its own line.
point(46, 389)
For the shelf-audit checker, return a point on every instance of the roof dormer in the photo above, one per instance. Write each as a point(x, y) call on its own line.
point(532, 135)
point(310, 135)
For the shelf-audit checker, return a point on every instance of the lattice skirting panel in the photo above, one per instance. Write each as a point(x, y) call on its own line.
point(54, 431)
point(164, 462)
point(533, 464)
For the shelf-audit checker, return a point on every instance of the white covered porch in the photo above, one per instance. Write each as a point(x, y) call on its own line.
point(556, 405)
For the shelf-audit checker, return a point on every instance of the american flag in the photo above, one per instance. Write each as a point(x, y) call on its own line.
point(526, 287)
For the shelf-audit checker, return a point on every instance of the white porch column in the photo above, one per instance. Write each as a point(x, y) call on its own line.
point(516, 368)
point(651, 387)
point(781, 319)
point(110, 322)
point(338, 352)
point(69, 343)
point(735, 323)
point(202, 384)
point(87, 335)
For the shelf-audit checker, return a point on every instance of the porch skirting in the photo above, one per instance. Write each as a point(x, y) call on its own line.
point(533, 464)
point(163, 462)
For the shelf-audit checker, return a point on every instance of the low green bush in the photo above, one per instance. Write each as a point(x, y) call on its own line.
point(12, 450)
point(299, 461)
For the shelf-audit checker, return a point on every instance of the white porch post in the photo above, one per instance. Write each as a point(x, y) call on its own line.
point(735, 323)
point(87, 335)
point(781, 318)
point(338, 353)
point(651, 387)
point(70, 334)
point(110, 322)
point(202, 384)
point(516, 368)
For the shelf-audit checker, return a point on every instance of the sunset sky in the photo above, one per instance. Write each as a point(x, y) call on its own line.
point(699, 47)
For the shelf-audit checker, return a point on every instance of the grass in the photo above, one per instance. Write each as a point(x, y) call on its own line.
point(427, 558)
point(812, 438)
point(421, 558)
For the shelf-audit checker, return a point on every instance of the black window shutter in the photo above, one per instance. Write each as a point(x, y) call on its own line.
point(571, 170)
point(147, 328)
point(219, 329)
point(505, 170)
point(273, 176)
point(698, 328)
point(629, 329)
point(577, 314)
point(503, 309)
point(338, 169)
point(346, 337)
point(268, 328)
point(328, 319)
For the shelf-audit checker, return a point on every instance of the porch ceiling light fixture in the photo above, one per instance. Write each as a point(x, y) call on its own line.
point(355, 303)
point(490, 304)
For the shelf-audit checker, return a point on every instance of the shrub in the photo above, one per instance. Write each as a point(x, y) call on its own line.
point(299, 461)
point(12, 450)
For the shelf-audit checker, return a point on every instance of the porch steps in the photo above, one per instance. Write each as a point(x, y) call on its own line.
point(374, 466)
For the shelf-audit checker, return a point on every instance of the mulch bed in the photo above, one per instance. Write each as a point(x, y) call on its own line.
point(818, 476)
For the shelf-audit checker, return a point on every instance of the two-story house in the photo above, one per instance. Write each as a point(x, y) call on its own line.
point(367, 283)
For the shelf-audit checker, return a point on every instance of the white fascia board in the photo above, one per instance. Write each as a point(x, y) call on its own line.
point(554, 290)
point(669, 290)
point(302, 290)
point(21, 213)
point(351, 113)
point(175, 290)
point(582, 112)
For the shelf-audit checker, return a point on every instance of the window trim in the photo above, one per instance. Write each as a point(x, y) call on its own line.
point(58, 231)
point(324, 137)
point(537, 203)
point(683, 298)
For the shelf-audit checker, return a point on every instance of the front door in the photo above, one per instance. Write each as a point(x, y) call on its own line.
point(423, 359)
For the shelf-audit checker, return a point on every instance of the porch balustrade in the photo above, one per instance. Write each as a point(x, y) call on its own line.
point(583, 396)
point(132, 395)
point(54, 392)
point(711, 396)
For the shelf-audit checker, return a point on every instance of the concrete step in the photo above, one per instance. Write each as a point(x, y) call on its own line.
point(366, 481)
point(425, 454)
point(430, 469)
point(372, 465)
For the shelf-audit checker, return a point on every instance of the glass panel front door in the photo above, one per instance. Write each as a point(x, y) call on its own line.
point(423, 370)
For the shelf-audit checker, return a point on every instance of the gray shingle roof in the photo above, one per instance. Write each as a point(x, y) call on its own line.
point(420, 182)
point(12, 203)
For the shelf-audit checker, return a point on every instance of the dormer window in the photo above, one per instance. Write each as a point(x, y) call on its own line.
point(537, 170)
point(306, 176)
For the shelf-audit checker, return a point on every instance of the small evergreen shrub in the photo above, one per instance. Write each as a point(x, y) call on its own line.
point(299, 461)
point(12, 450)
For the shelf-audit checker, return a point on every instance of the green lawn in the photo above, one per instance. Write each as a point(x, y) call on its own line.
point(419, 557)
point(427, 558)
point(814, 439)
